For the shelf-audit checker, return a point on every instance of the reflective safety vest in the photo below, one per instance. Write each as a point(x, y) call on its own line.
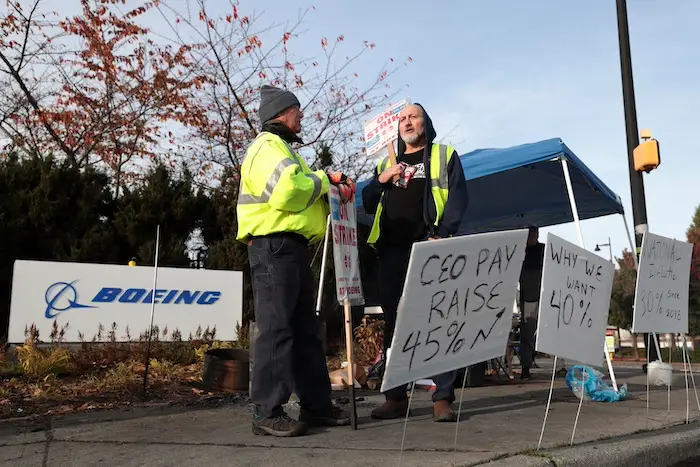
point(440, 155)
point(279, 193)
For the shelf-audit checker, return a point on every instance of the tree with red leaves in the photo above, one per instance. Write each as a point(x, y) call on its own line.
point(26, 46)
point(101, 88)
point(622, 297)
point(238, 53)
point(693, 235)
point(112, 91)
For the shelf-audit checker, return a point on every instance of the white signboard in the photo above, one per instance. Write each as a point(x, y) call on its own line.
point(663, 279)
point(574, 302)
point(456, 308)
point(345, 254)
point(383, 129)
point(83, 296)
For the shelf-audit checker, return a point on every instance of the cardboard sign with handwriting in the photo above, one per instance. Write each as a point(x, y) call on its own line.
point(661, 295)
point(457, 304)
point(574, 302)
point(348, 283)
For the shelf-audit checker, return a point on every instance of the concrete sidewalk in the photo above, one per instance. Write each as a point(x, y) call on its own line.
point(497, 423)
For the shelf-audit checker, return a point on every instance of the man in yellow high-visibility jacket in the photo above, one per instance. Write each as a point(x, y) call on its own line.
point(282, 208)
point(427, 201)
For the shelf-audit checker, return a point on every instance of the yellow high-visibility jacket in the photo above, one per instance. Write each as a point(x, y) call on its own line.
point(438, 183)
point(279, 193)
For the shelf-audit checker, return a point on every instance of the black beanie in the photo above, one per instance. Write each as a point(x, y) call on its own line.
point(273, 101)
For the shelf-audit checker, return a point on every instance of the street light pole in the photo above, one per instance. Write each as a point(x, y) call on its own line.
point(609, 245)
point(639, 209)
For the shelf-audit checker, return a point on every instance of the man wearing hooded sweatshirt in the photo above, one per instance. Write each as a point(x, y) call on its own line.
point(281, 210)
point(426, 203)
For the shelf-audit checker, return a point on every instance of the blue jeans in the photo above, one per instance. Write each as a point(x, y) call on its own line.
point(289, 354)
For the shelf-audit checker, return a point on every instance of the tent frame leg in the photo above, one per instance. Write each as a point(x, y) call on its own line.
point(577, 221)
point(572, 200)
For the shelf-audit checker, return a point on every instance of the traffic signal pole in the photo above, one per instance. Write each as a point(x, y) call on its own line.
point(639, 208)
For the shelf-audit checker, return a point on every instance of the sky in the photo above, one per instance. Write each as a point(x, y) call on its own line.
point(499, 74)
point(504, 73)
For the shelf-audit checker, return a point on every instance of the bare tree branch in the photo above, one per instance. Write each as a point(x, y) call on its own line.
point(231, 53)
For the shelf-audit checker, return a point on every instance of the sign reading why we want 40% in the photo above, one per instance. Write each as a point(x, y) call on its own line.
point(456, 307)
point(574, 302)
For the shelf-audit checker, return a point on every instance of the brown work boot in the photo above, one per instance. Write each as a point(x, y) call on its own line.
point(391, 409)
point(334, 416)
point(442, 411)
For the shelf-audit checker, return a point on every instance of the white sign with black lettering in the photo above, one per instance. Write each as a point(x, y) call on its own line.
point(345, 254)
point(456, 307)
point(574, 302)
point(663, 279)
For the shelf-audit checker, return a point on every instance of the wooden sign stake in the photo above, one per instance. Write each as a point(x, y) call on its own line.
point(392, 157)
point(351, 369)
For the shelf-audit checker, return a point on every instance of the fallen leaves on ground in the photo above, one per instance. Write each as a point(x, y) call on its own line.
point(118, 387)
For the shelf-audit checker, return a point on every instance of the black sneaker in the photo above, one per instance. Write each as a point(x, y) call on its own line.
point(334, 416)
point(282, 426)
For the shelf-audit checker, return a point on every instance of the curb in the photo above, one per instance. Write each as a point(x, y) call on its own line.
point(659, 448)
point(522, 460)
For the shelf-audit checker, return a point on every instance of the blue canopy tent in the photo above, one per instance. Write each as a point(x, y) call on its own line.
point(513, 187)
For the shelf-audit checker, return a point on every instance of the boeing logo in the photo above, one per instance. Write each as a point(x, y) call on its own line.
point(63, 296)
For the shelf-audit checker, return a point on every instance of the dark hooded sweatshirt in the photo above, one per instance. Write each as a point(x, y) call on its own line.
point(409, 213)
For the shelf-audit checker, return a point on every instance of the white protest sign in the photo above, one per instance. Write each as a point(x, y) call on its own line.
point(345, 253)
point(383, 129)
point(574, 302)
point(663, 279)
point(456, 307)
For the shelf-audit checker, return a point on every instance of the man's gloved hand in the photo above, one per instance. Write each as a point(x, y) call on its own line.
point(346, 192)
point(337, 178)
point(346, 187)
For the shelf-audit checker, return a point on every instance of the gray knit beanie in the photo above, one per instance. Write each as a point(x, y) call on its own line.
point(273, 101)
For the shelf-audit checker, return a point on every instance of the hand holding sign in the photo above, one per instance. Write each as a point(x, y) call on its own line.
point(455, 309)
point(390, 173)
point(345, 185)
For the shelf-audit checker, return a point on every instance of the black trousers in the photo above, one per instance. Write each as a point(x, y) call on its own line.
point(528, 327)
point(393, 268)
point(289, 354)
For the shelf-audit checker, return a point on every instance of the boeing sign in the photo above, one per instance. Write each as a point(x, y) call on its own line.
point(63, 296)
point(86, 296)
point(165, 296)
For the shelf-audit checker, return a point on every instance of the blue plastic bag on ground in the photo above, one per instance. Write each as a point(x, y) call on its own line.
point(594, 388)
